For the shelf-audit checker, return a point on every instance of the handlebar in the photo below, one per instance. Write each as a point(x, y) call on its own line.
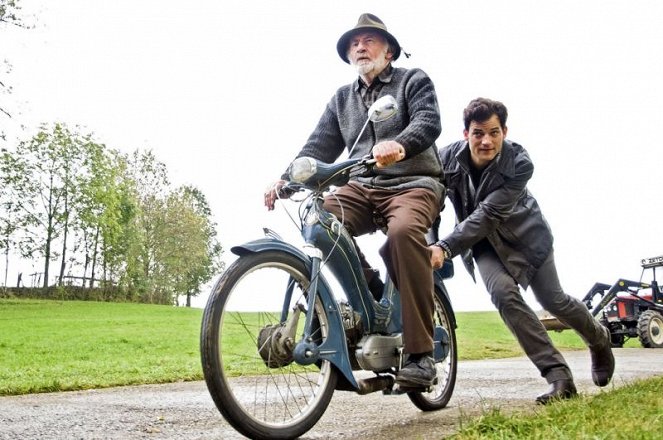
point(319, 176)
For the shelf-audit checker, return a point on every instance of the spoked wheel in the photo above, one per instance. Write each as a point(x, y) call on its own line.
point(650, 329)
point(439, 396)
point(251, 324)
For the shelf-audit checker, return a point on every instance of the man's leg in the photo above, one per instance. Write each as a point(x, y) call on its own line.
point(352, 207)
point(525, 325)
point(409, 216)
point(572, 312)
point(519, 317)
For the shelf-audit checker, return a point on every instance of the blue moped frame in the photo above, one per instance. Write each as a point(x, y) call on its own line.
point(327, 235)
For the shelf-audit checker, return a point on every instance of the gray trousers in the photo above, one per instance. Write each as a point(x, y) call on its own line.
point(523, 322)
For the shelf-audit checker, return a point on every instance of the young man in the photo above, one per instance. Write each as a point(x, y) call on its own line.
point(501, 226)
point(405, 188)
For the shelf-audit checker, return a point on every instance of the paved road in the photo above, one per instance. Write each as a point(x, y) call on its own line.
point(186, 411)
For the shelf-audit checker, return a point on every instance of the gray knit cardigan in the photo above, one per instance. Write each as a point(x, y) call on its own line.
point(416, 126)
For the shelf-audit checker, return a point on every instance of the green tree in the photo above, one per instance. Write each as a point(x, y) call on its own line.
point(13, 226)
point(105, 205)
point(40, 178)
point(150, 180)
point(174, 243)
point(9, 225)
point(189, 252)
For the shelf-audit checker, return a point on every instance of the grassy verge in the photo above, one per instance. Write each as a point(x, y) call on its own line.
point(630, 412)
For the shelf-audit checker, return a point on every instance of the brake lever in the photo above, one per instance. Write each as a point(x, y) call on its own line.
point(289, 189)
point(366, 164)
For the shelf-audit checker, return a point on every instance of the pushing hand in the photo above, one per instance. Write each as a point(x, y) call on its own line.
point(436, 257)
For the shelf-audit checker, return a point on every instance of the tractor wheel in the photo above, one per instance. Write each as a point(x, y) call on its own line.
point(650, 329)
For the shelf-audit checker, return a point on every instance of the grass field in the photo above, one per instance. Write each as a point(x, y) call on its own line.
point(70, 345)
point(55, 346)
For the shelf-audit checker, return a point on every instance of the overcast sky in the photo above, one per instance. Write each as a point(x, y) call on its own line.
point(225, 94)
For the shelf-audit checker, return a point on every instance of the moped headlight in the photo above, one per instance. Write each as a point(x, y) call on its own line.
point(301, 169)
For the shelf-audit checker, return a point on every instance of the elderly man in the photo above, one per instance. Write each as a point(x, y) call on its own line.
point(501, 226)
point(405, 188)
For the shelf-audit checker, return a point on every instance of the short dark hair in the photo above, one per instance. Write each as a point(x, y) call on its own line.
point(481, 109)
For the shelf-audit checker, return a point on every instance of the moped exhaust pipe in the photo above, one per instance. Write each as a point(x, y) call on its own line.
point(373, 384)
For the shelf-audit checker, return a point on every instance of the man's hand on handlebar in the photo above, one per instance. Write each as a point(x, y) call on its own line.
point(273, 192)
point(387, 153)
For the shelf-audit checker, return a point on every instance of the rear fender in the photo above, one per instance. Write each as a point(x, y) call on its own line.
point(334, 348)
point(438, 280)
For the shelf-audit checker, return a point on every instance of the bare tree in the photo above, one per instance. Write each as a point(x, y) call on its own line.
point(10, 15)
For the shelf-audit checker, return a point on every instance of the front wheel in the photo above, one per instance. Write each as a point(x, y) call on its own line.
point(250, 326)
point(439, 396)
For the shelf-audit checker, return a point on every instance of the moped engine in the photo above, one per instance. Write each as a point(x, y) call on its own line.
point(351, 323)
point(379, 352)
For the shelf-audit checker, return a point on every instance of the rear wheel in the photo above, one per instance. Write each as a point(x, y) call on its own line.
point(440, 394)
point(650, 329)
point(250, 326)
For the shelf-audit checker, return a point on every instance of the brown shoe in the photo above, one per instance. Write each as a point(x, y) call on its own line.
point(603, 362)
point(560, 390)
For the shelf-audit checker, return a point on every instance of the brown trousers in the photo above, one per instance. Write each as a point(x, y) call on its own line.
point(409, 215)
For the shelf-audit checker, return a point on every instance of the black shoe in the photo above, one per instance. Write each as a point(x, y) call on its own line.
point(417, 372)
point(603, 362)
point(560, 390)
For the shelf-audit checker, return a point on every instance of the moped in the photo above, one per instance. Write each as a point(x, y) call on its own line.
point(277, 336)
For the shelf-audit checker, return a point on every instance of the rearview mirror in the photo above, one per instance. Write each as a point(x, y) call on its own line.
point(383, 109)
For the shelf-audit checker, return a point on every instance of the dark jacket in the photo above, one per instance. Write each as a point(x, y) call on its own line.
point(416, 126)
point(502, 210)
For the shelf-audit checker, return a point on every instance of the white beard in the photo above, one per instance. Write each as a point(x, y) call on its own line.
point(371, 66)
point(364, 68)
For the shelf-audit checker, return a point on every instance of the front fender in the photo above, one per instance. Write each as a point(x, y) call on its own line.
point(334, 348)
point(269, 244)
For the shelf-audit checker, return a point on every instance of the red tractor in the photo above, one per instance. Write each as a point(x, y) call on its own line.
point(627, 308)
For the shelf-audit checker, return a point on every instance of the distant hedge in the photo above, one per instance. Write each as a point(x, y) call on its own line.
point(107, 294)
